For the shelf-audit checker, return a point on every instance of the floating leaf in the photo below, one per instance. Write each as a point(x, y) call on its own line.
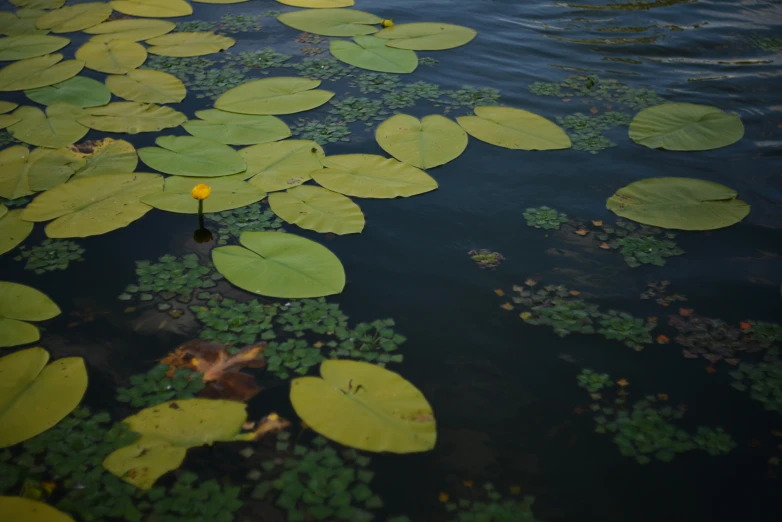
point(237, 129)
point(133, 30)
point(29, 46)
point(20, 303)
point(282, 165)
point(107, 156)
point(20, 508)
point(57, 128)
point(13, 230)
point(74, 17)
point(280, 265)
point(318, 209)
point(79, 91)
point(3, 210)
point(514, 129)
point(685, 126)
point(226, 194)
point(94, 205)
point(364, 406)
point(680, 203)
point(282, 95)
point(112, 57)
point(370, 176)
point(432, 141)
point(190, 156)
point(189, 44)
point(131, 117)
point(147, 86)
point(426, 36)
point(38, 4)
point(13, 172)
point(21, 22)
point(219, 1)
point(372, 53)
point(318, 4)
point(332, 22)
point(152, 8)
point(32, 73)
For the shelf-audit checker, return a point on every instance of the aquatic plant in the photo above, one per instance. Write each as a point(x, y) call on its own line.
point(370, 342)
point(51, 254)
point(594, 87)
point(261, 59)
point(713, 441)
point(771, 43)
point(763, 380)
point(157, 386)
point(712, 339)
point(399, 99)
point(191, 499)
point(322, 68)
point(638, 250)
point(252, 218)
point(227, 24)
point(586, 132)
point(471, 97)
point(765, 334)
point(291, 355)
point(564, 315)
point(214, 82)
point(545, 218)
point(171, 277)
point(182, 68)
point(358, 109)
point(315, 315)
point(312, 50)
point(592, 381)
point(7, 139)
point(369, 82)
point(195, 26)
point(486, 258)
point(328, 130)
point(490, 505)
point(13, 203)
point(312, 39)
point(659, 291)
point(230, 323)
point(621, 326)
point(428, 61)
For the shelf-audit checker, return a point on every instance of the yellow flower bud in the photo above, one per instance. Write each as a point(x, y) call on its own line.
point(201, 191)
point(387, 23)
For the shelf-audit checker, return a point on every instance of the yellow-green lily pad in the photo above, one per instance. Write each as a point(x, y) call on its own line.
point(135, 30)
point(19, 304)
point(21, 22)
point(54, 129)
point(112, 57)
point(152, 8)
point(332, 22)
point(75, 17)
point(226, 193)
point(107, 156)
point(6, 120)
point(237, 129)
point(13, 230)
point(514, 129)
point(426, 36)
point(281, 95)
point(23, 172)
point(41, 71)
point(318, 209)
point(29, 46)
point(426, 143)
point(191, 156)
point(318, 4)
point(189, 44)
point(79, 90)
point(20, 508)
point(147, 86)
point(38, 4)
point(131, 117)
point(283, 164)
point(368, 52)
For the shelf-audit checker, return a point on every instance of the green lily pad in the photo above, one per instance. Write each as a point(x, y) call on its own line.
point(514, 129)
point(29, 384)
point(685, 126)
point(191, 156)
point(21, 22)
point(237, 129)
point(332, 22)
point(372, 53)
point(54, 129)
point(41, 71)
point(318, 209)
point(189, 44)
point(79, 91)
point(38, 4)
point(280, 265)
point(20, 303)
point(3, 210)
point(282, 95)
point(20, 508)
point(107, 156)
point(152, 8)
point(364, 406)
point(147, 86)
point(679, 203)
point(131, 117)
point(426, 36)
point(29, 46)
point(131, 29)
point(74, 17)
point(283, 164)
point(24, 172)
point(370, 176)
point(94, 205)
point(13, 230)
point(227, 194)
point(112, 57)
point(318, 4)
point(168, 431)
point(432, 141)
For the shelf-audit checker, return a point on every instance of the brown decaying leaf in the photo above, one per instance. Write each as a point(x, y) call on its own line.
point(685, 312)
point(622, 382)
point(499, 292)
point(597, 222)
point(272, 423)
point(605, 246)
point(582, 232)
point(711, 369)
point(593, 110)
point(506, 306)
point(574, 293)
point(662, 339)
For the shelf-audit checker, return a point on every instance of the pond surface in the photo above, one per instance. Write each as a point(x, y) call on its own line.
point(505, 394)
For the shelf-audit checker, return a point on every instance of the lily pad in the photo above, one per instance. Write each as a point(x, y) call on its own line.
point(94, 205)
point(514, 129)
point(29, 46)
point(685, 127)
point(32, 73)
point(131, 117)
point(432, 141)
point(24, 172)
point(332, 22)
point(283, 164)
point(370, 176)
point(20, 508)
point(679, 203)
point(57, 128)
point(318, 4)
point(189, 44)
point(38, 4)
point(280, 265)
point(237, 129)
point(74, 17)
point(226, 194)
point(13, 230)
point(281, 95)
point(426, 36)
point(112, 57)
point(21, 22)
point(168, 430)
point(191, 156)
point(152, 8)
point(107, 156)
point(79, 91)
point(364, 406)
point(30, 385)
point(318, 209)
point(131, 29)
point(372, 53)
point(147, 86)
point(20, 303)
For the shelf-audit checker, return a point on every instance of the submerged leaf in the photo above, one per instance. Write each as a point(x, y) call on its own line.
point(370, 176)
point(318, 209)
point(514, 129)
point(20, 303)
point(282, 95)
point(432, 141)
point(191, 156)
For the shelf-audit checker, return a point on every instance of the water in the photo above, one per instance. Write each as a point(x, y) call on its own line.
point(504, 392)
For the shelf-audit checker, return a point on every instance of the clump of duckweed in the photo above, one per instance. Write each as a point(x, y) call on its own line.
point(322, 68)
point(156, 386)
point(314, 315)
point(369, 82)
point(310, 39)
point(771, 43)
point(621, 326)
point(191, 499)
point(252, 218)
point(271, 14)
point(486, 258)
point(51, 254)
point(428, 61)
point(640, 250)
point(328, 130)
point(765, 334)
point(594, 87)
point(586, 132)
point(659, 292)
point(399, 99)
point(312, 50)
point(557, 307)
point(195, 26)
point(490, 506)
point(171, 277)
point(13, 203)
point(231, 323)
point(6, 139)
point(545, 218)
point(358, 109)
point(227, 24)
point(214, 82)
point(471, 97)
point(261, 59)
point(763, 380)
point(291, 355)
point(182, 68)
point(371, 342)
point(712, 339)
point(593, 382)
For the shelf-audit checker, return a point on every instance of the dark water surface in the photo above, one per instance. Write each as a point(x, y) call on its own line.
point(504, 392)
